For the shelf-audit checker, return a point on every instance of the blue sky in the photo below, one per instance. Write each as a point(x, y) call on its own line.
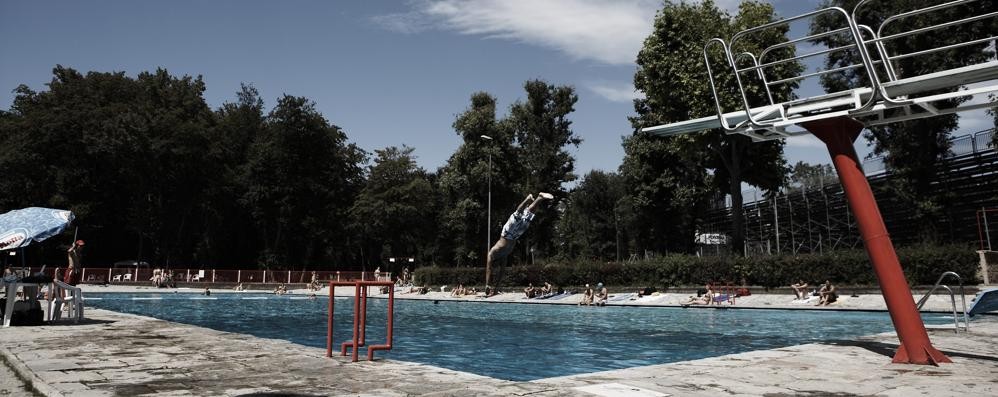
point(387, 72)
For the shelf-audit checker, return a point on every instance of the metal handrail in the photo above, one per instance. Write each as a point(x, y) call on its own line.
point(879, 38)
point(752, 120)
point(939, 284)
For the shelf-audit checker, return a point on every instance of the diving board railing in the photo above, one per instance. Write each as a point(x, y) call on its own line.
point(889, 96)
point(963, 299)
point(765, 80)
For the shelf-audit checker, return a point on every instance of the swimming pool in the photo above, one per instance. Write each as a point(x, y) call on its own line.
point(510, 341)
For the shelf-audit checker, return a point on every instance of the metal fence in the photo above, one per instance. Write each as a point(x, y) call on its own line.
point(814, 219)
point(138, 276)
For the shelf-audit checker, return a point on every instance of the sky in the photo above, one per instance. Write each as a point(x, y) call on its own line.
point(389, 73)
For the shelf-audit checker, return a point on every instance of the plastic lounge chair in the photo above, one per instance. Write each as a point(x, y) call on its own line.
point(128, 277)
point(116, 278)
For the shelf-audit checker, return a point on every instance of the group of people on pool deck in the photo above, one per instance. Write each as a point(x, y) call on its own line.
point(543, 292)
point(461, 290)
point(597, 297)
point(826, 294)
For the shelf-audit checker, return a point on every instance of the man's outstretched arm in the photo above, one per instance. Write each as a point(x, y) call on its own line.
point(530, 197)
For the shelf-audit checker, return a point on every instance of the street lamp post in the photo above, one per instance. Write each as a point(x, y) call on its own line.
point(488, 216)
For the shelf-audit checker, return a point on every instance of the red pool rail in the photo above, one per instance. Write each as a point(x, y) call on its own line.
point(360, 318)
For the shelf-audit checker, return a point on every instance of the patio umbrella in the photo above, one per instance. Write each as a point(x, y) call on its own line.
point(19, 228)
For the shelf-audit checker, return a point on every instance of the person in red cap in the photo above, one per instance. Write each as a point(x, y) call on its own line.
point(73, 254)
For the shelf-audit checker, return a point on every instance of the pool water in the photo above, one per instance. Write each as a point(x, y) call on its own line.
point(511, 341)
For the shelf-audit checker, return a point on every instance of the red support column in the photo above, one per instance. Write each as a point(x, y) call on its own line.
point(838, 134)
point(329, 327)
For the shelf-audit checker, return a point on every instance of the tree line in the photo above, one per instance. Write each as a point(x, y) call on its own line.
point(154, 173)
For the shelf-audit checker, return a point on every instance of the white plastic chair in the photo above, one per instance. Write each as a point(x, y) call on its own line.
point(128, 277)
point(116, 278)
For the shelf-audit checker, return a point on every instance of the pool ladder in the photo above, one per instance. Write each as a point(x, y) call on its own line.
point(963, 299)
point(360, 318)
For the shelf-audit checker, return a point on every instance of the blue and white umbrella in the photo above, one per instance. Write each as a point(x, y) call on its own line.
point(18, 228)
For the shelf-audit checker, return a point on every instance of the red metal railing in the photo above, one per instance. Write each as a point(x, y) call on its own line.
point(360, 318)
point(100, 275)
point(726, 292)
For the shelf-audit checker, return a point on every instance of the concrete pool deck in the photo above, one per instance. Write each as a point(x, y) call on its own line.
point(121, 354)
point(864, 302)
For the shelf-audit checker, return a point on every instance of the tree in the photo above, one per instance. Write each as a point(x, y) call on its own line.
point(667, 189)
point(811, 176)
point(673, 77)
point(395, 211)
point(301, 178)
point(590, 225)
point(230, 235)
point(911, 149)
point(543, 131)
point(124, 154)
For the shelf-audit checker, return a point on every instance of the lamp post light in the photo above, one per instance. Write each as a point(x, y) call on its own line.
point(488, 216)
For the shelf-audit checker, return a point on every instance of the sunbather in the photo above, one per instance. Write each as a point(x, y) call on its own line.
point(587, 297)
point(696, 300)
point(800, 289)
point(827, 294)
point(601, 295)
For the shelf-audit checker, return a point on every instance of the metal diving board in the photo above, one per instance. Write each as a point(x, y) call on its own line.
point(886, 99)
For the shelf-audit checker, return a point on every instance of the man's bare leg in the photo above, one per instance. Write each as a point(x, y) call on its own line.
point(540, 197)
point(496, 252)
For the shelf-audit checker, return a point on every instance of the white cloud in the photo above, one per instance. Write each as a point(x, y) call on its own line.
point(607, 31)
point(615, 92)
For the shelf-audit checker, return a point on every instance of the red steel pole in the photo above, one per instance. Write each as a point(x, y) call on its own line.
point(838, 134)
point(356, 322)
point(363, 314)
point(329, 327)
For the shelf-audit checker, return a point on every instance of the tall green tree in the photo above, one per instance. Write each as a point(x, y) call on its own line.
point(230, 236)
point(124, 154)
point(673, 77)
point(395, 211)
point(301, 178)
point(911, 149)
point(542, 129)
point(464, 183)
point(667, 189)
point(590, 225)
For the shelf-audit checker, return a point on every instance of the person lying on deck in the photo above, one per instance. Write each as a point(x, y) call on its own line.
point(696, 300)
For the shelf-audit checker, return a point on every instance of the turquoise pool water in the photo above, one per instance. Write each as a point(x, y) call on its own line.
point(511, 341)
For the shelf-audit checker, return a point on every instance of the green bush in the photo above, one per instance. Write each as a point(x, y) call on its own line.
point(922, 265)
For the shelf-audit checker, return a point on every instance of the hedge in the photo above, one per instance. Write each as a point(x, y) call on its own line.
point(922, 265)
